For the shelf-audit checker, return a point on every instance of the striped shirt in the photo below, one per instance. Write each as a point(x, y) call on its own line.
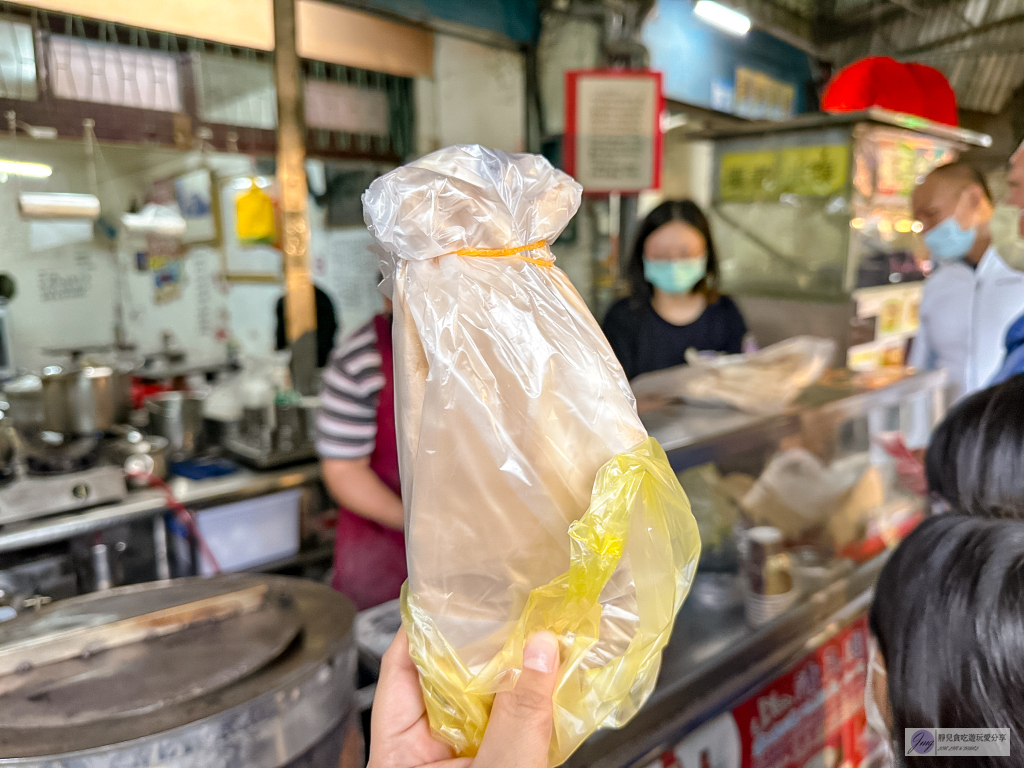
point(347, 421)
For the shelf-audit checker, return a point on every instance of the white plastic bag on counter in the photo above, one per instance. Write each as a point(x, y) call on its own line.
point(533, 495)
point(759, 382)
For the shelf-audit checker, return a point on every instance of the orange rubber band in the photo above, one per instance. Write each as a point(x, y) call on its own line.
point(497, 253)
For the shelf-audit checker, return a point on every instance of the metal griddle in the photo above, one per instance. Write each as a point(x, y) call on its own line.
point(236, 670)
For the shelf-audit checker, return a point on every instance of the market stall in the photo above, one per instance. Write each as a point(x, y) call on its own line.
point(814, 228)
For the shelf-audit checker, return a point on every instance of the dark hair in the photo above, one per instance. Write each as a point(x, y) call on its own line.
point(948, 618)
point(965, 172)
point(975, 461)
point(686, 211)
point(326, 326)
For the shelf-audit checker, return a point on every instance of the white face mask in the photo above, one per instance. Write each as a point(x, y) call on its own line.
point(872, 713)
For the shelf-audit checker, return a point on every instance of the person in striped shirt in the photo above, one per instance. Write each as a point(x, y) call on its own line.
point(359, 456)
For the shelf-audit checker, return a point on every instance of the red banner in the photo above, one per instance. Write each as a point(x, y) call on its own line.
point(814, 714)
point(810, 717)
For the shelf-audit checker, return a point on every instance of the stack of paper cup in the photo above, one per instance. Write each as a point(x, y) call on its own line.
point(762, 609)
point(769, 589)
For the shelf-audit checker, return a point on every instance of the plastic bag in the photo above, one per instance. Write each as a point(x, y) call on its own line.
point(796, 492)
point(533, 495)
point(760, 382)
point(255, 217)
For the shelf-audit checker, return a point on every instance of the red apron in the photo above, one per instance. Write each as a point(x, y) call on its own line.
point(369, 558)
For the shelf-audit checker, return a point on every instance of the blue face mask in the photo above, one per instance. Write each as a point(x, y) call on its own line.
point(676, 276)
point(947, 242)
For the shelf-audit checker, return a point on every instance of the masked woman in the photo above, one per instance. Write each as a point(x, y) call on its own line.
point(674, 304)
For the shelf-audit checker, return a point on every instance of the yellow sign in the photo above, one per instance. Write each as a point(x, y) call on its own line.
point(818, 171)
point(815, 171)
point(746, 176)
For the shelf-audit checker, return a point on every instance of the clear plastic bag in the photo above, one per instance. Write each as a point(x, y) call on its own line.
point(766, 381)
point(533, 495)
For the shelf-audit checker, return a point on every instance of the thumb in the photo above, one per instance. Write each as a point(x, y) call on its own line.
point(519, 731)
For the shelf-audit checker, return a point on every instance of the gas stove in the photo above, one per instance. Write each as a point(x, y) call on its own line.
point(47, 474)
point(30, 496)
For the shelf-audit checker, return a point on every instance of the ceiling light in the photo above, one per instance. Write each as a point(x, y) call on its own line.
point(58, 205)
point(18, 168)
point(243, 183)
point(733, 22)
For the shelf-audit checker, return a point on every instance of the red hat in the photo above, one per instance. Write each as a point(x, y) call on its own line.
point(880, 81)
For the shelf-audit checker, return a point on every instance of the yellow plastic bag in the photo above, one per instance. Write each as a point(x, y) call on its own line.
point(534, 497)
point(254, 216)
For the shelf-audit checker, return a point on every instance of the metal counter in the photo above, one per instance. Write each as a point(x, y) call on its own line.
point(715, 660)
point(146, 503)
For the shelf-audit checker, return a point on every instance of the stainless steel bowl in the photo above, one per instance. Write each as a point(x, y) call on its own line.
point(141, 456)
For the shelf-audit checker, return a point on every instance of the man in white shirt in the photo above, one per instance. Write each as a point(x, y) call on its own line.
point(972, 296)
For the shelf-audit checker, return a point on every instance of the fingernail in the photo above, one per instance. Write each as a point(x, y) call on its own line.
point(541, 652)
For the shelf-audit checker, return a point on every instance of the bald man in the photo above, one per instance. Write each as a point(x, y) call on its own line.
point(972, 296)
point(1008, 234)
point(1007, 222)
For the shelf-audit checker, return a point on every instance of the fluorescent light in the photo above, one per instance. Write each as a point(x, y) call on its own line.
point(243, 183)
point(18, 168)
point(733, 22)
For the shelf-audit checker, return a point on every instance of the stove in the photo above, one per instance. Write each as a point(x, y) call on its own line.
point(50, 473)
point(30, 496)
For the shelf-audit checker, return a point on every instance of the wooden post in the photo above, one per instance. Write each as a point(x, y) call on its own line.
point(300, 300)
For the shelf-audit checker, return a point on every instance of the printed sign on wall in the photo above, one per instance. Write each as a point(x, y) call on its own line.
point(613, 129)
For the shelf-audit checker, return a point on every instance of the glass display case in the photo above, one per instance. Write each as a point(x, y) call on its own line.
point(814, 230)
point(819, 207)
point(797, 513)
point(831, 473)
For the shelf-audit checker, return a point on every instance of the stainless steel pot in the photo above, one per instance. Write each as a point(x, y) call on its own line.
point(122, 392)
point(178, 417)
point(78, 401)
point(24, 397)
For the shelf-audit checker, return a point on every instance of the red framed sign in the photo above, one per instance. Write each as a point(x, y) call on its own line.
point(613, 129)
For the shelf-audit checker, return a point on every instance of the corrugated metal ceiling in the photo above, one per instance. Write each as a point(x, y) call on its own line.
point(978, 44)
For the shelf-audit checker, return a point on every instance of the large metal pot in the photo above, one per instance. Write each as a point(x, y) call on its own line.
point(24, 397)
point(122, 391)
point(78, 401)
point(178, 416)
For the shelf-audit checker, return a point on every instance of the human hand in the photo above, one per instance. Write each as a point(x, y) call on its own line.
point(518, 732)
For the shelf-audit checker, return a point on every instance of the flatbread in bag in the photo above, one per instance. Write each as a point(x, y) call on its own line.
point(533, 495)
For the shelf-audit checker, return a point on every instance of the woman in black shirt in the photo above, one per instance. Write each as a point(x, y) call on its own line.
point(673, 303)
